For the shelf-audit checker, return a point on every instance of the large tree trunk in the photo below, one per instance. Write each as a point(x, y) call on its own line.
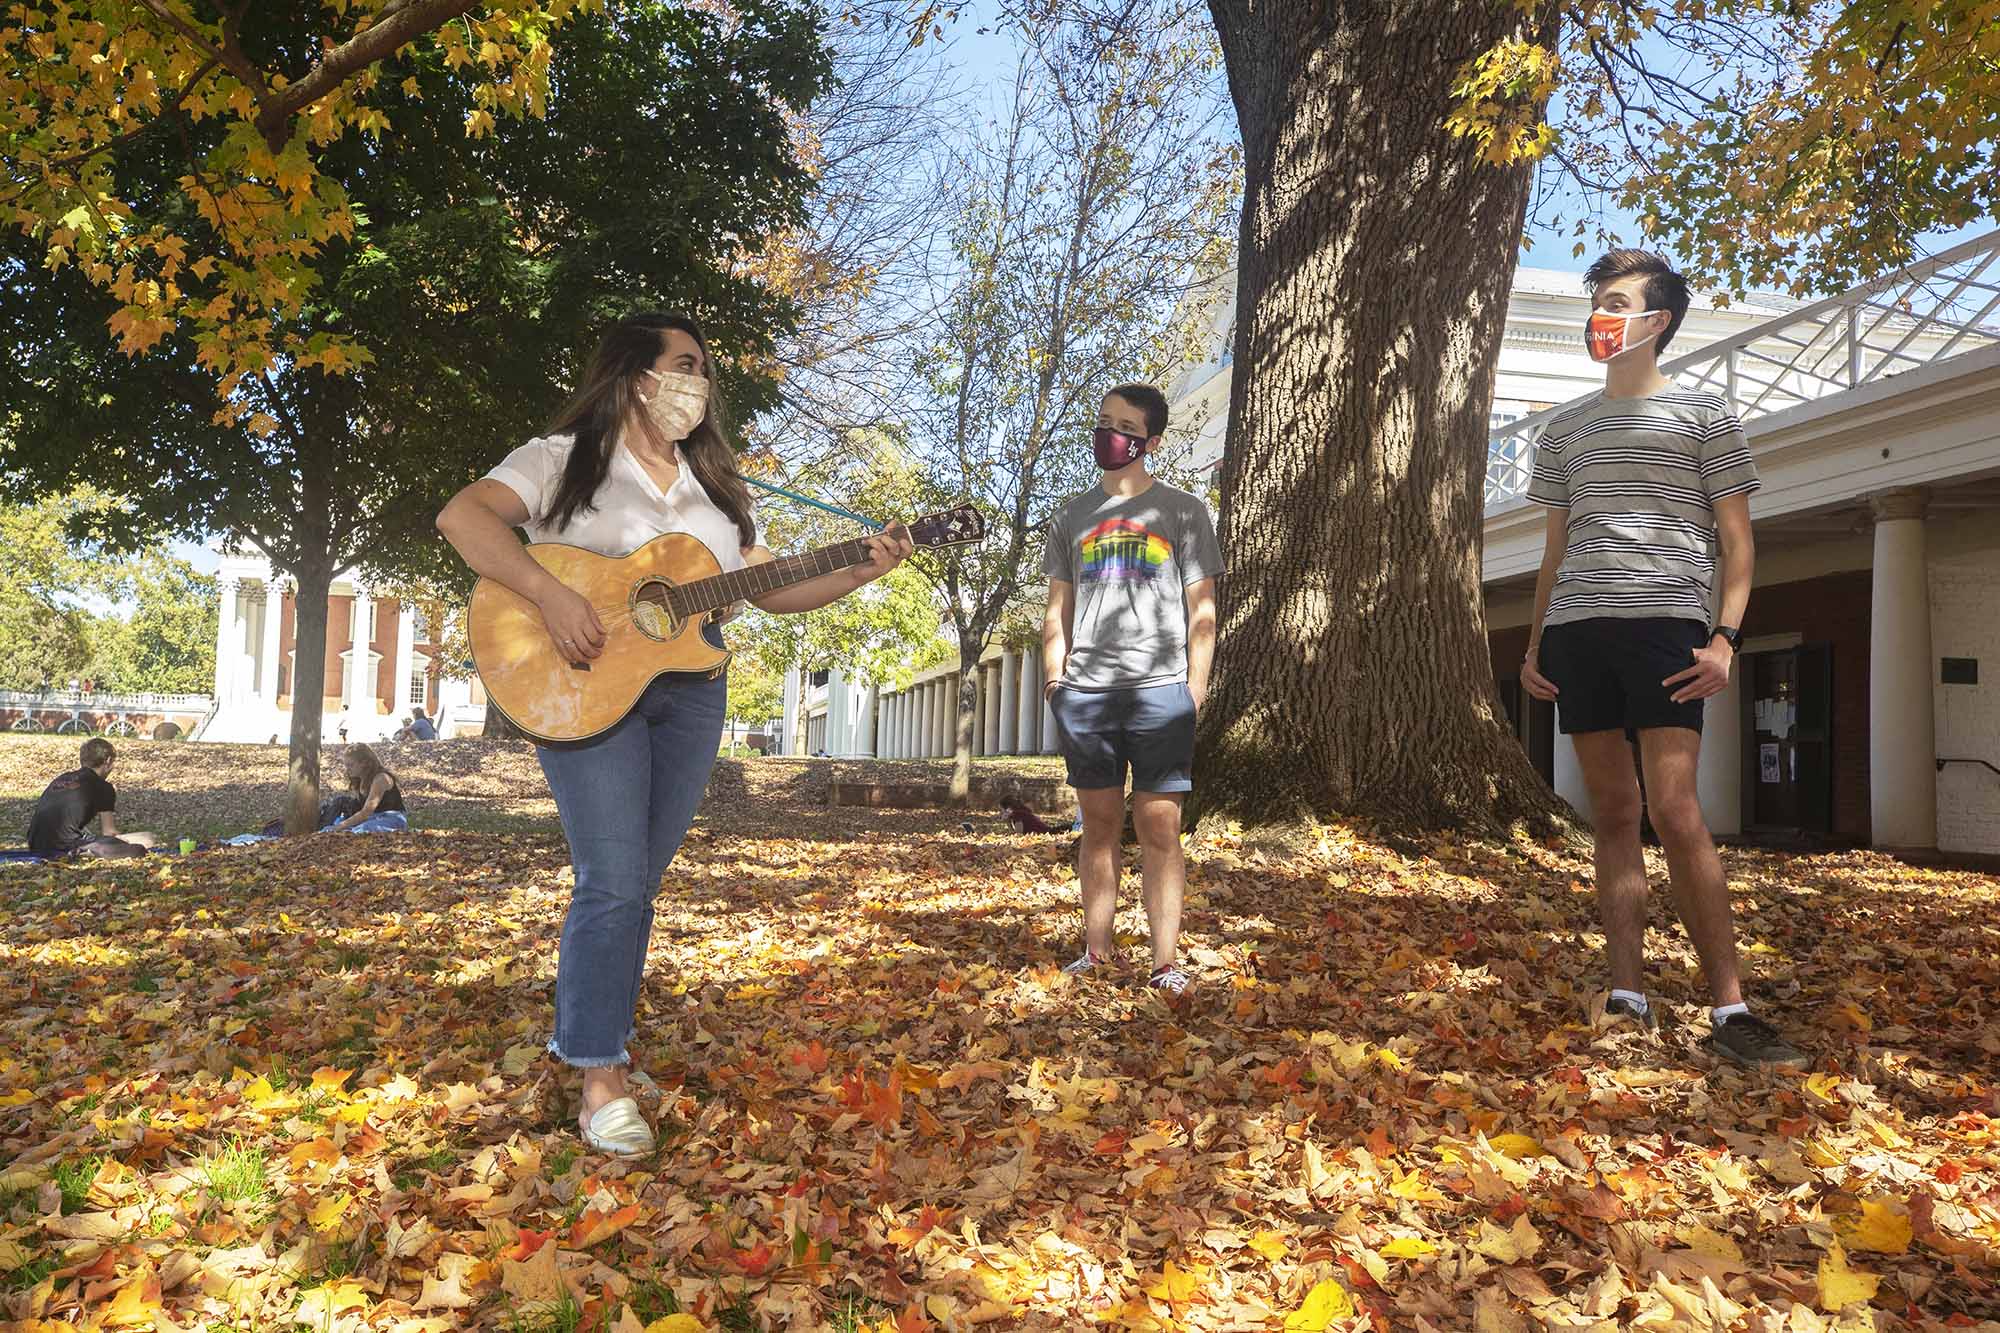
point(1376, 252)
point(315, 582)
point(964, 714)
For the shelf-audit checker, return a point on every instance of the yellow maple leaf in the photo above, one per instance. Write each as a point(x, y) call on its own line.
point(676, 1323)
point(1879, 1228)
point(1826, 1087)
point(1269, 1244)
point(1510, 1246)
point(1177, 1286)
point(1703, 1240)
point(1407, 1247)
point(324, 1304)
point(1411, 1186)
point(1841, 1286)
point(1323, 1304)
point(1518, 1146)
point(326, 1215)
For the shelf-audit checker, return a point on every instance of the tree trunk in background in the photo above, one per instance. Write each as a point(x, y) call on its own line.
point(497, 725)
point(964, 713)
point(315, 582)
point(1376, 252)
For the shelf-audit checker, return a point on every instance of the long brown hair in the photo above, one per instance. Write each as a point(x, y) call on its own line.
point(610, 397)
point(364, 761)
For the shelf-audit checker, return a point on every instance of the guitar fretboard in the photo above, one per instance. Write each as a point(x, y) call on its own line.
point(738, 585)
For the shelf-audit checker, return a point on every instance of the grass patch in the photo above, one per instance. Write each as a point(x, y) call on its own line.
point(737, 1316)
point(561, 1161)
point(73, 1176)
point(857, 1314)
point(563, 1315)
point(29, 1274)
point(236, 1171)
point(652, 1299)
point(413, 1170)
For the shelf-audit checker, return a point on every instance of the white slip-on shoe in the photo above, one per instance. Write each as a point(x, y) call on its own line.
point(617, 1127)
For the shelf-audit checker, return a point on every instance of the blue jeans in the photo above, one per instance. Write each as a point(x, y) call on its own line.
point(388, 821)
point(626, 798)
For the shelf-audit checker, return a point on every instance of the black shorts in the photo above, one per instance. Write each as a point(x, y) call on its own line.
point(1607, 672)
point(1151, 728)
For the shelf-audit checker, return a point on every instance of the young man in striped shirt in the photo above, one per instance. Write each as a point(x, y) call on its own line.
point(1631, 633)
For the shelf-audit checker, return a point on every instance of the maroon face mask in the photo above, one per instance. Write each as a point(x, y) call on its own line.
point(1115, 449)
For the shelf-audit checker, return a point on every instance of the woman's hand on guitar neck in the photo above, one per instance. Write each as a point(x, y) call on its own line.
point(886, 550)
point(572, 624)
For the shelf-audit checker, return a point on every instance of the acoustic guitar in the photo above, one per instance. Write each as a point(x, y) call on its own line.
point(652, 604)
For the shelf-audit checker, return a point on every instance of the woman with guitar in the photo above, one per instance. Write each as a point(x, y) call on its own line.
point(641, 450)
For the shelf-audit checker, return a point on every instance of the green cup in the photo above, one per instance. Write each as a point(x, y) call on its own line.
point(187, 845)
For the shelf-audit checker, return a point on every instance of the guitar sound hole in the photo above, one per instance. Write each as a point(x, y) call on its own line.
point(653, 609)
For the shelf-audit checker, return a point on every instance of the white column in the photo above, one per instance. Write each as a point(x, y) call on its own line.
point(226, 646)
point(1569, 777)
point(359, 688)
point(864, 732)
point(926, 695)
point(1010, 703)
point(274, 615)
point(1027, 708)
point(1719, 775)
point(982, 711)
point(1048, 727)
point(794, 690)
point(1902, 723)
point(406, 661)
point(892, 727)
point(837, 739)
point(947, 716)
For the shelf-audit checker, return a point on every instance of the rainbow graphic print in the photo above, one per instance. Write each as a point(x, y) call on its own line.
point(1121, 549)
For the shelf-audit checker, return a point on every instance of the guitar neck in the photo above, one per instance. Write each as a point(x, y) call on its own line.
point(740, 585)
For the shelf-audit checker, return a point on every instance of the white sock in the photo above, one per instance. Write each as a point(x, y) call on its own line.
point(1637, 999)
point(1722, 1014)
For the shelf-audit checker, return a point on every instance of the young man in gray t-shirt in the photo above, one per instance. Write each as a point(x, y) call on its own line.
point(1126, 644)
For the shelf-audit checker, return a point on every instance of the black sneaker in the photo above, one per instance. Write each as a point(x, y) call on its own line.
point(1621, 1012)
point(1751, 1042)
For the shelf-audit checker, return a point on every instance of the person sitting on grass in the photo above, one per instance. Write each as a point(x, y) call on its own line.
point(382, 809)
point(59, 826)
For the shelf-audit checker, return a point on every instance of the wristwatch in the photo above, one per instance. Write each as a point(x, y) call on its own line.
point(1730, 634)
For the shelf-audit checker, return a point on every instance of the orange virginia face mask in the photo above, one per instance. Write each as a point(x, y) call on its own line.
point(1608, 334)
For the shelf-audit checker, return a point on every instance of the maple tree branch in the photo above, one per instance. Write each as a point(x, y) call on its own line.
point(228, 55)
point(398, 25)
point(138, 131)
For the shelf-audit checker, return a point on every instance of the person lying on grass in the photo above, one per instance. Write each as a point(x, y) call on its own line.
point(382, 809)
point(60, 824)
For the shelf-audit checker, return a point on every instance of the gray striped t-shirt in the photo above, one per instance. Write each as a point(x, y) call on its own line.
point(1640, 477)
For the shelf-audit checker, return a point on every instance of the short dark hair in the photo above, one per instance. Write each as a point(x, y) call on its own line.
point(1665, 289)
point(1150, 402)
point(96, 752)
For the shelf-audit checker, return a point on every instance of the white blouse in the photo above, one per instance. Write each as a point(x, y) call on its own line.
point(630, 509)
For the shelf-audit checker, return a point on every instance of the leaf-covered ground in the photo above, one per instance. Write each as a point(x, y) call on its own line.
point(302, 1085)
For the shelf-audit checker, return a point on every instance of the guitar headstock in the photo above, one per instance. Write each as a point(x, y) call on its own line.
point(949, 527)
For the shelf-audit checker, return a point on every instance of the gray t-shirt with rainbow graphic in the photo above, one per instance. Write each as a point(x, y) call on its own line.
point(1131, 560)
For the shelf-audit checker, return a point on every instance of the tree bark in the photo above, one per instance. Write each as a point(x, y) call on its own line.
point(1375, 257)
point(315, 582)
point(970, 646)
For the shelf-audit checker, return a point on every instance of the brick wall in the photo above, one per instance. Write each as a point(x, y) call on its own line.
point(1964, 624)
point(1831, 609)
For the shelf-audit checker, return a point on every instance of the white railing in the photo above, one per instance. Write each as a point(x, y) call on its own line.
point(1917, 316)
point(102, 701)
